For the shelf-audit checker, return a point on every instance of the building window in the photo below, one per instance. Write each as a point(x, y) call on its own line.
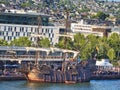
point(6, 33)
point(23, 34)
point(53, 35)
point(8, 38)
point(43, 33)
point(46, 30)
point(14, 28)
point(17, 33)
point(51, 39)
point(4, 37)
point(31, 29)
point(22, 29)
point(8, 28)
point(42, 30)
point(51, 30)
point(35, 29)
point(26, 29)
point(28, 34)
point(2, 33)
point(30, 39)
point(12, 33)
point(4, 28)
point(49, 34)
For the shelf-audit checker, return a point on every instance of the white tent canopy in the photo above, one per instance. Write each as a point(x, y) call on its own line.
point(104, 63)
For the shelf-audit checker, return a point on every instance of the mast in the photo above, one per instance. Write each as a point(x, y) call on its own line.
point(65, 39)
point(66, 27)
point(37, 40)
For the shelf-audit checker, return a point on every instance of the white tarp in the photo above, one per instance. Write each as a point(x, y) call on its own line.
point(103, 63)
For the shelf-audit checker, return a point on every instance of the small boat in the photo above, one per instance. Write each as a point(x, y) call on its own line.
point(12, 76)
point(11, 73)
point(70, 82)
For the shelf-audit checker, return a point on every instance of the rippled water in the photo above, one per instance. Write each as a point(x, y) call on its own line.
point(93, 85)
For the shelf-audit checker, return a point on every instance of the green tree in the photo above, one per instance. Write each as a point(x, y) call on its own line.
point(22, 41)
point(114, 42)
point(79, 41)
point(93, 41)
point(60, 44)
point(29, 3)
point(81, 45)
point(103, 47)
point(3, 42)
point(102, 15)
point(65, 43)
point(111, 54)
point(44, 42)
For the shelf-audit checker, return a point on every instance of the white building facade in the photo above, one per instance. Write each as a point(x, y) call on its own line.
point(10, 32)
point(85, 29)
point(116, 29)
point(14, 26)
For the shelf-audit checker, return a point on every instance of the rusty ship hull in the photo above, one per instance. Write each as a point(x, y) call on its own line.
point(58, 77)
point(80, 73)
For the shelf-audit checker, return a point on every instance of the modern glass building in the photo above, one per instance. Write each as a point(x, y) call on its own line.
point(15, 25)
point(23, 19)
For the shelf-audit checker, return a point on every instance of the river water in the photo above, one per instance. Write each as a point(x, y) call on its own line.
point(92, 85)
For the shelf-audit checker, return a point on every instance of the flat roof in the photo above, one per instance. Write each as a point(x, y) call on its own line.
point(25, 14)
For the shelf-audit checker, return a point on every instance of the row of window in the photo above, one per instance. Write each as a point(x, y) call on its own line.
point(9, 38)
point(26, 29)
point(22, 34)
point(13, 34)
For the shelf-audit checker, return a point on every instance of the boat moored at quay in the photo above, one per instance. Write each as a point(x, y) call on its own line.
point(50, 66)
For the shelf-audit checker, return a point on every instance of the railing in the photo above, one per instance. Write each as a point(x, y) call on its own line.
point(107, 68)
point(30, 57)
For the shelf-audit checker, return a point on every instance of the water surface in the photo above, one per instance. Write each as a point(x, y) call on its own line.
point(93, 85)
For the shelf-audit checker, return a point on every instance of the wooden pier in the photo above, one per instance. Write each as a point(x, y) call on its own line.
point(102, 73)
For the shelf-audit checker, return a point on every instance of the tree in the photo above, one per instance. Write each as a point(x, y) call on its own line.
point(30, 3)
point(103, 47)
point(114, 42)
point(91, 46)
point(79, 41)
point(22, 41)
point(3, 42)
point(102, 16)
point(111, 54)
point(65, 43)
point(44, 42)
point(81, 45)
